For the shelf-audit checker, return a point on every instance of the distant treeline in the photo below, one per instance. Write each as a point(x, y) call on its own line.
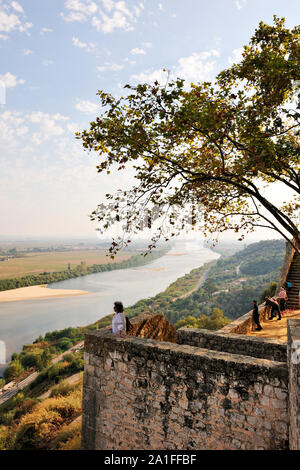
point(80, 270)
point(225, 291)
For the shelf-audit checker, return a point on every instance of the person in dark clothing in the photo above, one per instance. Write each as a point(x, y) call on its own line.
point(255, 316)
point(274, 308)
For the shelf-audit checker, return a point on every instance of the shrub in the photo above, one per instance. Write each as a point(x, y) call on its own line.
point(13, 370)
point(77, 364)
point(57, 369)
point(69, 357)
point(69, 437)
point(31, 360)
point(64, 344)
point(61, 389)
point(38, 428)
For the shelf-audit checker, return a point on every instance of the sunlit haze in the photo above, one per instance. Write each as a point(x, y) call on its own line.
point(56, 54)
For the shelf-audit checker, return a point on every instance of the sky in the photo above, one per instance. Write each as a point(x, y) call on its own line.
point(55, 56)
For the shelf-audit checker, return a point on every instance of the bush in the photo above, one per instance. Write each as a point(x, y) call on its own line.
point(13, 370)
point(38, 428)
point(69, 357)
point(64, 344)
point(56, 370)
point(77, 364)
point(68, 438)
point(269, 292)
point(61, 389)
point(31, 360)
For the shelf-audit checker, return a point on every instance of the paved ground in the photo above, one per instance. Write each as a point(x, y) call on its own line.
point(276, 329)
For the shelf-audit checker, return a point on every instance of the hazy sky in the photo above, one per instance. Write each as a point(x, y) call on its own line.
point(56, 54)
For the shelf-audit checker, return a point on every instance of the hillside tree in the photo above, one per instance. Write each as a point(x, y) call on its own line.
point(207, 155)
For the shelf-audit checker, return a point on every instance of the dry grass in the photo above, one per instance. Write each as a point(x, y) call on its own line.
point(50, 424)
point(35, 263)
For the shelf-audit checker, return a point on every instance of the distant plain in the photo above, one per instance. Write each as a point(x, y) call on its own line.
point(35, 263)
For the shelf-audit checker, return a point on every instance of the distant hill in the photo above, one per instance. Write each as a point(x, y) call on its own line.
point(235, 281)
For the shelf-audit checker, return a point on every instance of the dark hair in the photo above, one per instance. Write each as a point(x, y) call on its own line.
point(254, 301)
point(119, 307)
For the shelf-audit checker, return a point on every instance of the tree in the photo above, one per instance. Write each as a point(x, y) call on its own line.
point(13, 370)
point(209, 287)
point(206, 157)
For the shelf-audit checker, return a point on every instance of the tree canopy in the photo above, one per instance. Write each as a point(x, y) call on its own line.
point(206, 156)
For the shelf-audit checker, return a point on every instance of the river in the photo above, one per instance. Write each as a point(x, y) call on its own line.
point(23, 321)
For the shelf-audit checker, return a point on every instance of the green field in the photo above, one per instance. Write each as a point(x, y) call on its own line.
point(35, 263)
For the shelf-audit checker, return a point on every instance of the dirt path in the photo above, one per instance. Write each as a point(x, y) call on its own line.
point(276, 329)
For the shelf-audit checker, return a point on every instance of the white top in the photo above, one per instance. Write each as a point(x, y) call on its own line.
point(119, 323)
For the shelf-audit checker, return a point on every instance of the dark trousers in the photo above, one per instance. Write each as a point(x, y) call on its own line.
point(275, 311)
point(282, 303)
point(256, 321)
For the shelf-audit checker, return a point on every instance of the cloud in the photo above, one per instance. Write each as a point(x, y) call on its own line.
point(45, 30)
point(137, 51)
point(131, 62)
point(240, 3)
point(48, 125)
point(108, 66)
point(150, 76)
point(105, 15)
point(14, 126)
point(88, 47)
point(236, 56)
point(196, 67)
point(27, 52)
point(16, 6)
point(12, 19)
point(10, 80)
point(87, 107)
point(47, 62)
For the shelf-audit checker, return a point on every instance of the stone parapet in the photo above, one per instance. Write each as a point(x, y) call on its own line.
point(144, 394)
point(266, 348)
point(245, 323)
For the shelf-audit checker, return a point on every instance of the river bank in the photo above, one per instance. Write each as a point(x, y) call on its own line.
point(23, 321)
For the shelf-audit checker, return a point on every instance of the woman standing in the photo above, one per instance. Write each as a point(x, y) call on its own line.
point(119, 321)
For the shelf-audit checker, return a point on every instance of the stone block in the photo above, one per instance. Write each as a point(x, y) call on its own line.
point(268, 391)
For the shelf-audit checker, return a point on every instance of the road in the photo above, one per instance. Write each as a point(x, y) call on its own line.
point(197, 286)
point(14, 390)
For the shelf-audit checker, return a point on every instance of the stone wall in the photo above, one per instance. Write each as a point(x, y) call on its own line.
point(275, 350)
point(144, 394)
point(245, 323)
point(294, 383)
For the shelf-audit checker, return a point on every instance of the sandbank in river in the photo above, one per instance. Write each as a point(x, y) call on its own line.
point(37, 292)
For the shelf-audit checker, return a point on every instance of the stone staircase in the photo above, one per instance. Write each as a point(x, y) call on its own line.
point(294, 277)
